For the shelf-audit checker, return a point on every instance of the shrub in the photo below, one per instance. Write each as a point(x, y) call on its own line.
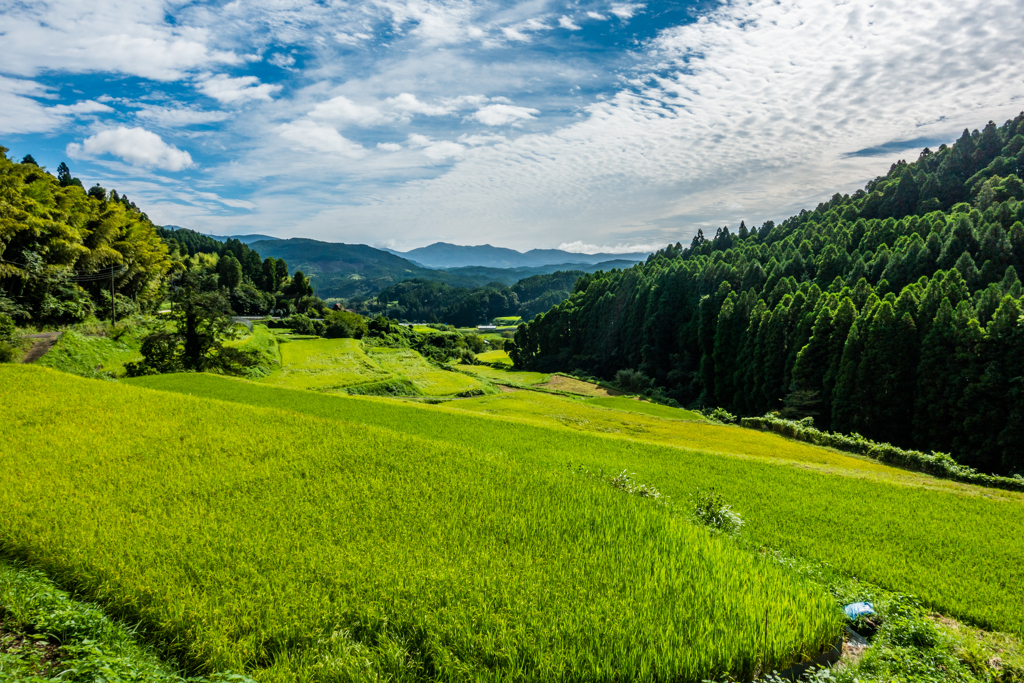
point(940, 465)
point(722, 415)
point(710, 509)
point(633, 381)
point(301, 324)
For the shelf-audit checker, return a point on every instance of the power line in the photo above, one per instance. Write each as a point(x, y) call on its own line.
point(104, 274)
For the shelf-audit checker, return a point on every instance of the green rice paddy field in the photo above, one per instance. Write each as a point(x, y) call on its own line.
point(959, 548)
point(298, 544)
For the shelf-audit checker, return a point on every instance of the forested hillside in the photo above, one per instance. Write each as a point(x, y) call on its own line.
point(358, 271)
point(60, 247)
point(63, 249)
point(894, 312)
point(429, 301)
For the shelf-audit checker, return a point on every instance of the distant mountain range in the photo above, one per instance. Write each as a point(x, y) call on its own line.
point(445, 255)
point(244, 239)
point(356, 270)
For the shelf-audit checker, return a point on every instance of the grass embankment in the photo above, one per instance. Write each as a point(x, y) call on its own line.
point(92, 356)
point(300, 548)
point(47, 635)
point(959, 548)
point(264, 344)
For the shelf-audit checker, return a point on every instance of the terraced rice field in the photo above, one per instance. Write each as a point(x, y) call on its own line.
point(325, 365)
point(293, 547)
point(497, 356)
point(407, 364)
point(959, 548)
point(509, 376)
point(337, 365)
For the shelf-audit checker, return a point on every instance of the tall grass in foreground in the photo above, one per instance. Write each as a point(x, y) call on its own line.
point(300, 548)
point(959, 548)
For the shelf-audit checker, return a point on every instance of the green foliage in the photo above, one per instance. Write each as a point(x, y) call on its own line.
point(389, 387)
point(8, 338)
point(723, 416)
point(936, 464)
point(200, 321)
point(708, 507)
point(299, 548)
point(63, 639)
point(894, 312)
point(430, 300)
point(344, 325)
point(51, 230)
point(811, 502)
point(104, 355)
point(633, 381)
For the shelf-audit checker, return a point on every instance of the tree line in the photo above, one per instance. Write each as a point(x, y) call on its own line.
point(436, 302)
point(894, 312)
point(255, 286)
point(60, 245)
point(64, 250)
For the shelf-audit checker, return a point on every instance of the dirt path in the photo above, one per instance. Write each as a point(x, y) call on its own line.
point(43, 343)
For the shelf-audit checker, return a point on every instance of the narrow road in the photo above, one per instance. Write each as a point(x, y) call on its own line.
point(43, 343)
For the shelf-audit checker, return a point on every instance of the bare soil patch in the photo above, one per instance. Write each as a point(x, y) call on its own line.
point(575, 386)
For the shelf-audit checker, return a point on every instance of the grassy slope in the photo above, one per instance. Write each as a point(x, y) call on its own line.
point(300, 548)
point(47, 635)
point(959, 548)
point(91, 356)
point(645, 407)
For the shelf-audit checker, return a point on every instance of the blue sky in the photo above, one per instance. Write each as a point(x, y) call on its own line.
point(587, 125)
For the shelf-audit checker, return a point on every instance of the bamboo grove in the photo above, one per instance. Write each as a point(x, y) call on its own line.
point(894, 312)
point(61, 245)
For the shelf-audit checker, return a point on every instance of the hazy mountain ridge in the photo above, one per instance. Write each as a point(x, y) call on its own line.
point(339, 270)
point(446, 255)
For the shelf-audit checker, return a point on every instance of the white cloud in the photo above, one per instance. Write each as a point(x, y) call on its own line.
point(407, 103)
point(626, 10)
point(436, 150)
point(321, 138)
point(124, 36)
point(169, 117)
point(282, 60)
point(342, 110)
point(595, 15)
point(476, 140)
point(435, 22)
point(235, 90)
point(137, 146)
point(567, 23)
point(502, 114)
point(580, 247)
point(748, 114)
point(351, 38)
point(20, 112)
point(389, 146)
